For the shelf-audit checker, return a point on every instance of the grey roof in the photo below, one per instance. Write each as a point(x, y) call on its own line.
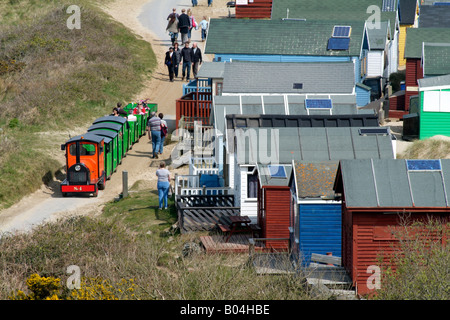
point(213, 70)
point(279, 121)
point(277, 104)
point(388, 183)
point(407, 11)
point(88, 136)
point(434, 81)
point(278, 77)
point(265, 179)
point(282, 145)
point(378, 37)
point(434, 16)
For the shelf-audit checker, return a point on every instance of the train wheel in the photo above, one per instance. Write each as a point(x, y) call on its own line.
point(101, 185)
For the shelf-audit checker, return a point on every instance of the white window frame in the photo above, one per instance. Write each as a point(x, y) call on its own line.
point(436, 101)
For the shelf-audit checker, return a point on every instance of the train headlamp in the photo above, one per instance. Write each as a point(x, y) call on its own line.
point(77, 167)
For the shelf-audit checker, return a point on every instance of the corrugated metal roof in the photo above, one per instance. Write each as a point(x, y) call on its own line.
point(372, 183)
point(283, 145)
point(280, 77)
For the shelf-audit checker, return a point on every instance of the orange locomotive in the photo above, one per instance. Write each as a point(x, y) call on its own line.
point(85, 165)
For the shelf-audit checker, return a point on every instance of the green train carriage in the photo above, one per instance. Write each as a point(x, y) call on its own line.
point(125, 130)
point(114, 127)
point(112, 149)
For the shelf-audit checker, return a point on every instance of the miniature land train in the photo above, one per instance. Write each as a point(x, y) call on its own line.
point(92, 157)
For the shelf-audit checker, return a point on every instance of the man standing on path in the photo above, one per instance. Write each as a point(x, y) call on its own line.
point(154, 126)
point(172, 25)
point(183, 24)
point(197, 58)
point(170, 61)
point(187, 57)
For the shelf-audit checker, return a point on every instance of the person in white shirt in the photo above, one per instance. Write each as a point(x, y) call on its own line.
point(197, 58)
point(163, 185)
point(204, 25)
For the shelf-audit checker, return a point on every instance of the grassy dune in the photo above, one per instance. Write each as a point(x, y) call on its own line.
point(54, 78)
point(133, 241)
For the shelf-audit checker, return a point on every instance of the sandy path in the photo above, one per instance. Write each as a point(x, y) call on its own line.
point(47, 203)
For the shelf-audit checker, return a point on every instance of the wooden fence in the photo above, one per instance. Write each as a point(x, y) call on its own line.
point(203, 212)
point(258, 9)
point(194, 106)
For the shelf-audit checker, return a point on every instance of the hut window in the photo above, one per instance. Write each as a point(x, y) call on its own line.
point(252, 185)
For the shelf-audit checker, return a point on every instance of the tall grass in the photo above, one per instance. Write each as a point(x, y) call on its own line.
point(132, 240)
point(54, 78)
point(422, 263)
point(432, 148)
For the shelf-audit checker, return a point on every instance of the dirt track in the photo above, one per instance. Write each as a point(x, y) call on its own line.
point(47, 203)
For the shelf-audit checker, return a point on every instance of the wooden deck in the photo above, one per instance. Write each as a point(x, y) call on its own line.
point(238, 243)
point(203, 212)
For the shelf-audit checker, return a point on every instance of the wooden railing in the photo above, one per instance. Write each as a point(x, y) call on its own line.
point(194, 106)
point(190, 185)
point(203, 166)
point(200, 85)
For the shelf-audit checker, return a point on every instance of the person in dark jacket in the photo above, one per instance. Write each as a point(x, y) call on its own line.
point(187, 57)
point(184, 23)
point(177, 60)
point(170, 62)
point(120, 111)
point(197, 58)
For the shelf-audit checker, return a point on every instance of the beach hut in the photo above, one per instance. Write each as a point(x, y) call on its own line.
point(377, 196)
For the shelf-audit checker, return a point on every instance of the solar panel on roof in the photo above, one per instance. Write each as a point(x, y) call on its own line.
point(388, 5)
point(338, 44)
point(277, 171)
point(421, 165)
point(372, 131)
point(341, 31)
point(318, 104)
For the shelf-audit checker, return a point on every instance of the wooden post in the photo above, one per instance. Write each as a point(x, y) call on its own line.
point(124, 184)
point(175, 189)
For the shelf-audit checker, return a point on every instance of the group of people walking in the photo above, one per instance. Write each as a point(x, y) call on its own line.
point(183, 24)
point(188, 57)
